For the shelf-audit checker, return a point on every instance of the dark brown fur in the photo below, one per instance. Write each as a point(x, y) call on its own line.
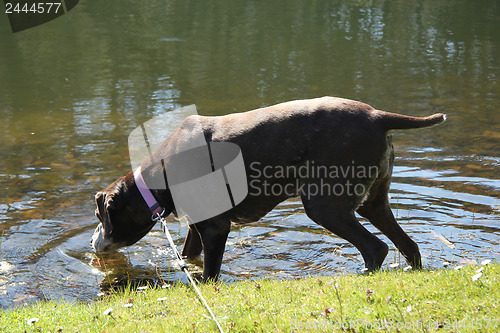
point(329, 131)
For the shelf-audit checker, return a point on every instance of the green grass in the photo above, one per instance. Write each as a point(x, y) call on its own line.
point(421, 301)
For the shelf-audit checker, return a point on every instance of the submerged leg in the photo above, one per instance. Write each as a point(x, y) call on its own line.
point(379, 213)
point(338, 218)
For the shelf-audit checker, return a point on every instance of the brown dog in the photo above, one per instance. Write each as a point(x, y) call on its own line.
point(334, 153)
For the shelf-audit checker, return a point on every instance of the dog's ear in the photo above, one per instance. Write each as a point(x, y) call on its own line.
point(107, 201)
point(102, 212)
point(99, 199)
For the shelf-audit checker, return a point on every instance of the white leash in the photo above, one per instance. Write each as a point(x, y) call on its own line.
point(182, 264)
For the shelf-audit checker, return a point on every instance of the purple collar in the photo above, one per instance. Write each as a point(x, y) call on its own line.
point(153, 205)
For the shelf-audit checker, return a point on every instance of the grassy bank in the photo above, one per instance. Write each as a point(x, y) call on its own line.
point(464, 300)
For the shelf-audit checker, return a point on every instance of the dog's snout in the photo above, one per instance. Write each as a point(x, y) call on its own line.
point(96, 231)
point(102, 243)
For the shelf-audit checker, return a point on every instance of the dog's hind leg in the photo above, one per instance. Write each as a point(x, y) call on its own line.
point(192, 245)
point(338, 218)
point(378, 211)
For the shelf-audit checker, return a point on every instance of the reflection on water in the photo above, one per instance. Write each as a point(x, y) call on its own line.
point(74, 88)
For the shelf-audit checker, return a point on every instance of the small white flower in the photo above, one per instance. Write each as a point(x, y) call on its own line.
point(107, 312)
point(32, 321)
point(477, 276)
point(407, 268)
point(162, 299)
point(394, 265)
point(485, 262)
point(459, 267)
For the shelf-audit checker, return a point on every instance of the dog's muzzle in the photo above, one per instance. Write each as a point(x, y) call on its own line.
point(99, 243)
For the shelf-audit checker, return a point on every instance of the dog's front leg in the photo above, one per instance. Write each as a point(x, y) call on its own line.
point(192, 245)
point(213, 234)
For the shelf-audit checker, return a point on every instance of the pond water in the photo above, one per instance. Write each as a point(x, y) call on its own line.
point(72, 90)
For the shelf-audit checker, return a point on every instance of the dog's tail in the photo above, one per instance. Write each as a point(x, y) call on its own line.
point(392, 121)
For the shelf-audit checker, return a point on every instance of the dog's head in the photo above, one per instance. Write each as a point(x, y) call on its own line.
point(124, 216)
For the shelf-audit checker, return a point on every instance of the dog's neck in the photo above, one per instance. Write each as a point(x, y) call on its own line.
point(149, 198)
point(157, 200)
point(165, 200)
